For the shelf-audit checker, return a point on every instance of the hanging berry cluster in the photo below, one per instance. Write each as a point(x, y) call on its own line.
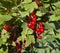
point(32, 21)
point(13, 38)
point(32, 24)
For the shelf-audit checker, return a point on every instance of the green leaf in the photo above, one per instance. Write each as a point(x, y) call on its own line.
point(27, 1)
point(53, 51)
point(41, 50)
point(57, 51)
point(57, 35)
point(2, 51)
point(30, 31)
point(47, 50)
point(4, 36)
point(50, 38)
point(20, 38)
point(57, 4)
point(1, 41)
point(25, 28)
point(54, 18)
point(30, 7)
point(39, 13)
point(14, 14)
point(4, 18)
point(24, 14)
point(30, 38)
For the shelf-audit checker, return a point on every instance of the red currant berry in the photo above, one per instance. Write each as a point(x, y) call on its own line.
point(34, 16)
point(42, 30)
point(40, 24)
point(34, 20)
point(20, 49)
point(39, 37)
point(38, 31)
point(31, 25)
point(6, 27)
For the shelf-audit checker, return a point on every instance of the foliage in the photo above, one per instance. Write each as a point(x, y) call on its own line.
point(20, 30)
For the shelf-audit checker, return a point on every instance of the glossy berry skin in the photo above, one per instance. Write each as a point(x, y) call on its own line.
point(41, 30)
point(39, 37)
point(6, 27)
point(40, 24)
point(34, 18)
point(38, 31)
point(31, 25)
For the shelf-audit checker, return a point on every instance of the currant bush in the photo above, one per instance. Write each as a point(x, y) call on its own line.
point(29, 26)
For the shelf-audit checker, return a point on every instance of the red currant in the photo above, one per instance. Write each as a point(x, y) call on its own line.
point(6, 27)
point(20, 49)
point(40, 24)
point(42, 30)
point(31, 25)
point(38, 31)
point(39, 37)
point(34, 16)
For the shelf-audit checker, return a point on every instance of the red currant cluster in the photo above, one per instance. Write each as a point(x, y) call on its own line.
point(32, 25)
point(32, 21)
point(10, 29)
point(13, 38)
point(40, 29)
point(18, 43)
